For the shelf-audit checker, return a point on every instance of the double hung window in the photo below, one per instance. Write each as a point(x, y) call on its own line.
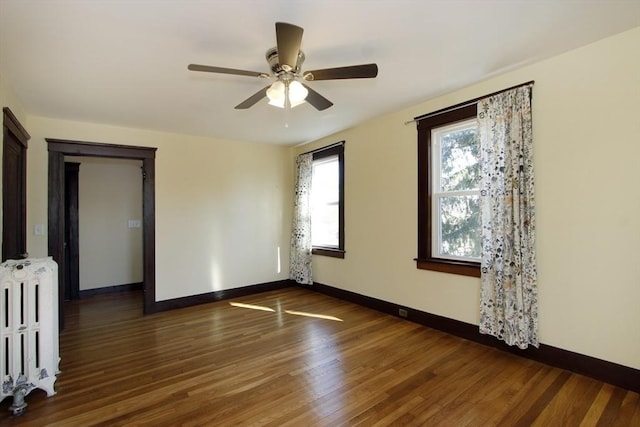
point(327, 202)
point(449, 193)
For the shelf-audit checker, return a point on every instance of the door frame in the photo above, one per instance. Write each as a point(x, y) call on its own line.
point(58, 149)
point(71, 232)
point(11, 125)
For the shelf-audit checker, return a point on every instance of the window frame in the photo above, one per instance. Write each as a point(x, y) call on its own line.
point(333, 150)
point(426, 259)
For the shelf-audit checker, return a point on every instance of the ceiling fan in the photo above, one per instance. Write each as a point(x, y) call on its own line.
point(285, 61)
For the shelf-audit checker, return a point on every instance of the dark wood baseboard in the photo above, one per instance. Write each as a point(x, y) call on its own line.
point(208, 297)
point(602, 370)
point(110, 290)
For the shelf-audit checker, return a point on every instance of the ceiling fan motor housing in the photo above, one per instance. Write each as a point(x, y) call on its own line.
point(274, 61)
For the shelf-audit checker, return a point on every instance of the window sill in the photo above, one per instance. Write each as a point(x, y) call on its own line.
point(453, 267)
point(330, 252)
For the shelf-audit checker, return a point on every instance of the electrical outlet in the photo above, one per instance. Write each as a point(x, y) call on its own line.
point(402, 312)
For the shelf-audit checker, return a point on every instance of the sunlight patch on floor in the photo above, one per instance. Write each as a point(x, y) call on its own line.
point(317, 316)
point(280, 311)
point(252, 306)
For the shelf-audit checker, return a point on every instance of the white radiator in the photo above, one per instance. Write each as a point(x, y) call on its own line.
point(29, 328)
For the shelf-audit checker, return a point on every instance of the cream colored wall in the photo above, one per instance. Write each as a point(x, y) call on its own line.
point(8, 99)
point(222, 207)
point(587, 154)
point(109, 195)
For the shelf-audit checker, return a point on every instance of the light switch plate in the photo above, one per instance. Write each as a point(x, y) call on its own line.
point(38, 229)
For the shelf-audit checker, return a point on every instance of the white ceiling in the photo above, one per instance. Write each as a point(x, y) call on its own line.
point(124, 62)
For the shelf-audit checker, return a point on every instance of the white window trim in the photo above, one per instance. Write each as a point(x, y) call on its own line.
point(437, 194)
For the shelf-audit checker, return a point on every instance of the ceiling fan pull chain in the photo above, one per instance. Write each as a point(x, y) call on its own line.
point(287, 101)
point(287, 105)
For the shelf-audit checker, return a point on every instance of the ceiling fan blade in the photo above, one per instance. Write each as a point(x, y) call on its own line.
point(289, 38)
point(365, 71)
point(249, 102)
point(210, 69)
point(317, 100)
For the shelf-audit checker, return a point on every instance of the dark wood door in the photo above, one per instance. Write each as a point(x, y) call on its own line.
point(14, 188)
point(71, 225)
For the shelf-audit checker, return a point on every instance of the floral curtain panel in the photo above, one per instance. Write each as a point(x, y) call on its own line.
point(300, 258)
point(508, 295)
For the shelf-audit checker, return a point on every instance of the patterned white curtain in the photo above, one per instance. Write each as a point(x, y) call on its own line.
point(508, 295)
point(300, 259)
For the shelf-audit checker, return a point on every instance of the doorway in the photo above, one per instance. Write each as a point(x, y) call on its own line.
point(58, 149)
point(103, 226)
point(14, 187)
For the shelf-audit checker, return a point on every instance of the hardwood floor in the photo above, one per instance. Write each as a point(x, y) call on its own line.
point(265, 363)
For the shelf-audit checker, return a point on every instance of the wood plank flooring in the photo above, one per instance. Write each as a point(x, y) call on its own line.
point(266, 363)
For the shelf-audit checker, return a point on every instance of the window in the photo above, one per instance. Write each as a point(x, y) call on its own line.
point(449, 192)
point(327, 202)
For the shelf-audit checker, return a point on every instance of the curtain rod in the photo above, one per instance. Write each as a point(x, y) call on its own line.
point(317, 150)
point(465, 103)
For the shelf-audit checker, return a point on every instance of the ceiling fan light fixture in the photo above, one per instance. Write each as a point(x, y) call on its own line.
point(277, 93)
point(297, 93)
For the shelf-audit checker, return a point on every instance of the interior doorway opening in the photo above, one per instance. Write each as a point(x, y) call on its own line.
point(58, 149)
point(103, 226)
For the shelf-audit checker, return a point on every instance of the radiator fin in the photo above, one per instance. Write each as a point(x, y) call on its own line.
point(28, 326)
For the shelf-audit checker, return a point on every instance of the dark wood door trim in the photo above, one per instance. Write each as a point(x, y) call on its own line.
point(10, 121)
point(13, 131)
point(59, 148)
point(72, 268)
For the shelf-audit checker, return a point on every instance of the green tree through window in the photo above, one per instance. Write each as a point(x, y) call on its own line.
point(459, 214)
